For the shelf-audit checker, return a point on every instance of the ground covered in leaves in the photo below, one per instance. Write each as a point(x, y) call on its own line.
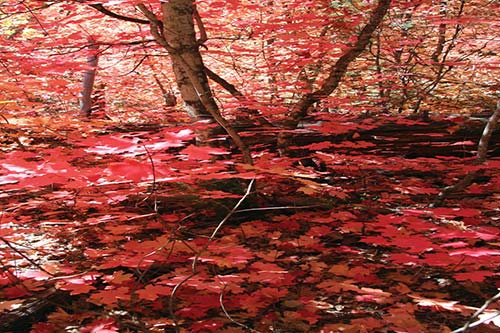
point(133, 228)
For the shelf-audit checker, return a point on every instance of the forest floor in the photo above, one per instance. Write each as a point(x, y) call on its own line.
point(132, 228)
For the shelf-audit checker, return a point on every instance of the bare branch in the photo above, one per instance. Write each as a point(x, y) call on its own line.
point(471, 324)
point(31, 261)
point(443, 69)
point(224, 84)
point(105, 11)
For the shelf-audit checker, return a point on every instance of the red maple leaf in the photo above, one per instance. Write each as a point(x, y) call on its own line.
point(152, 292)
point(476, 276)
point(110, 295)
point(202, 153)
point(100, 326)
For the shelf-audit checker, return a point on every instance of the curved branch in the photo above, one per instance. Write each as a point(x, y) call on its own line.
point(482, 147)
point(105, 11)
point(156, 27)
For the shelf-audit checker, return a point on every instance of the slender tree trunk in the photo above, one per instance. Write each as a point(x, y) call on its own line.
point(177, 27)
point(88, 81)
point(300, 110)
point(482, 151)
point(168, 96)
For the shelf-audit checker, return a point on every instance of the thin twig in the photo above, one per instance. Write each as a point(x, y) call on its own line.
point(221, 296)
point(274, 208)
point(172, 299)
point(140, 275)
point(471, 324)
point(25, 256)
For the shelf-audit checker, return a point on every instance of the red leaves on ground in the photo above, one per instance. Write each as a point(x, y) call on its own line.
point(110, 296)
point(268, 273)
point(101, 326)
point(202, 153)
point(120, 242)
point(153, 292)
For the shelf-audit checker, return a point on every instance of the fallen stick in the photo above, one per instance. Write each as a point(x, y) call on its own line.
point(482, 151)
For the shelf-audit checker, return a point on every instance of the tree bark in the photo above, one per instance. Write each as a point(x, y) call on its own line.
point(179, 33)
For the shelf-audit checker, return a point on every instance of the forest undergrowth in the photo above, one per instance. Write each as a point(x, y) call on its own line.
point(110, 227)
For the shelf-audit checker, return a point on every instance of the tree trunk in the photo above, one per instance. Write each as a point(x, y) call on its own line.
point(179, 32)
point(88, 81)
point(177, 27)
point(176, 33)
